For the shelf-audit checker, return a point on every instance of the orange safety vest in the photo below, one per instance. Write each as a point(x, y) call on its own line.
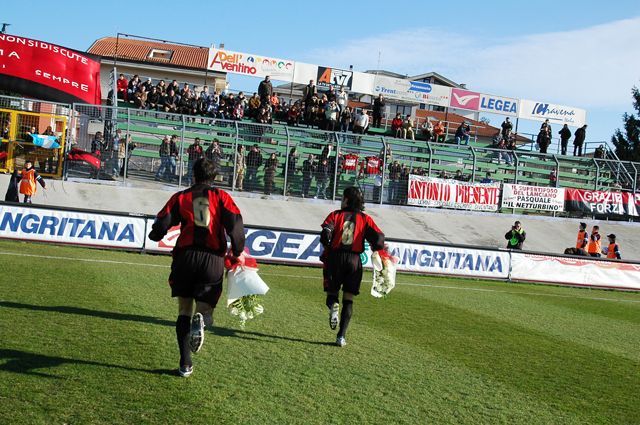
point(28, 182)
point(582, 235)
point(594, 246)
point(611, 252)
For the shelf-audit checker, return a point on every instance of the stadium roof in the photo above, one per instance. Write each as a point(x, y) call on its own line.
point(152, 52)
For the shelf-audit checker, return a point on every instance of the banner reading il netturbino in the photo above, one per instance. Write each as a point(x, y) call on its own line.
point(605, 203)
point(537, 198)
point(435, 192)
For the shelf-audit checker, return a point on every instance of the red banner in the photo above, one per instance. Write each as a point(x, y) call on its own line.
point(60, 74)
point(434, 192)
point(602, 203)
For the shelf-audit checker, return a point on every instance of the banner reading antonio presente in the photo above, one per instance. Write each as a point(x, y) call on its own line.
point(435, 192)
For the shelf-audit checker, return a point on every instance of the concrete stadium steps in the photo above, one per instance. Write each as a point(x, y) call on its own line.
point(546, 234)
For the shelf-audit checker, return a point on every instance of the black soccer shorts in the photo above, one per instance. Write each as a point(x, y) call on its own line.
point(344, 270)
point(196, 274)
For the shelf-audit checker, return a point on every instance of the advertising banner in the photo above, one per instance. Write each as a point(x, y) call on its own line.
point(250, 64)
point(575, 271)
point(465, 99)
point(538, 198)
point(334, 77)
point(598, 202)
point(411, 91)
point(498, 105)
point(559, 114)
point(435, 192)
point(78, 228)
point(48, 71)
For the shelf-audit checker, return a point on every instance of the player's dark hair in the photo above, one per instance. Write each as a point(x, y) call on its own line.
point(353, 198)
point(204, 171)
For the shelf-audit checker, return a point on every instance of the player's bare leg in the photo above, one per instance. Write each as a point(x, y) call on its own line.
point(183, 334)
point(345, 318)
point(207, 313)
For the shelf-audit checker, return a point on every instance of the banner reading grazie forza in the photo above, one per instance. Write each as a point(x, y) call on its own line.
point(48, 71)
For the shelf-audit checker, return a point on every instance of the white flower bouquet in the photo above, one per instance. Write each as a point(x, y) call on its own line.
point(244, 286)
point(384, 273)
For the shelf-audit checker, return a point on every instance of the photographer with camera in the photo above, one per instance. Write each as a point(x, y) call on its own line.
point(516, 236)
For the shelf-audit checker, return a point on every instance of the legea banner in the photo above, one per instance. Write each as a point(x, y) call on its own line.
point(435, 192)
point(48, 71)
point(498, 105)
point(538, 198)
point(250, 64)
point(411, 91)
point(558, 114)
point(78, 228)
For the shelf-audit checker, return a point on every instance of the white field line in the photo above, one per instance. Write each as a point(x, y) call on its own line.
point(424, 285)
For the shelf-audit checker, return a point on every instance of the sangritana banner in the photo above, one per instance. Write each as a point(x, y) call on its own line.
point(605, 203)
point(60, 74)
point(435, 192)
point(537, 198)
point(250, 64)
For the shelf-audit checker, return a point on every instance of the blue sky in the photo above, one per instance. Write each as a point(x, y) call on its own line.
point(577, 53)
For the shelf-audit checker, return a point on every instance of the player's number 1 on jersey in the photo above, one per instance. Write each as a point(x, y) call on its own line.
point(201, 213)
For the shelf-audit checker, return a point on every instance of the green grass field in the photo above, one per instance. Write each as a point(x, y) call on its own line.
point(93, 342)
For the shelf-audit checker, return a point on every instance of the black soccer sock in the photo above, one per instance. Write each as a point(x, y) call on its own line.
point(345, 316)
point(331, 299)
point(216, 292)
point(183, 329)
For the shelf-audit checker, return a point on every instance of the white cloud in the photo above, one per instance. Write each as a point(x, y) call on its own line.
point(590, 67)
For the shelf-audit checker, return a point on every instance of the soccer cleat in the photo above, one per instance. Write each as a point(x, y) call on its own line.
point(340, 341)
point(333, 315)
point(185, 371)
point(197, 332)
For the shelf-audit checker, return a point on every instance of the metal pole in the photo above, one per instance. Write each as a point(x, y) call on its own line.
point(235, 157)
point(181, 152)
point(473, 172)
point(430, 156)
point(335, 171)
point(555, 158)
point(597, 174)
point(126, 150)
point(517, 120)
point(384, 167)
point(635, 177)
point(515, 177)
point(286, 164)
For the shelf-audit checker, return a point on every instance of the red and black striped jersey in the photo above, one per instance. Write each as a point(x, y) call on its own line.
point(204, 214)
point(351, 229)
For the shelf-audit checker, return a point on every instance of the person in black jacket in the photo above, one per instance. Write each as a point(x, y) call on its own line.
point(378, 109)
point(322, 178)
point(254, 161)
point(308, 170)
point(516, 236)
point(565, 135)
point(12, 189)
point(270, 167)
point(578, 141)
point(265, 90)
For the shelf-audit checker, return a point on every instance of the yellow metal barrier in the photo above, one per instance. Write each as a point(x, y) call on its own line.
point(16, 147)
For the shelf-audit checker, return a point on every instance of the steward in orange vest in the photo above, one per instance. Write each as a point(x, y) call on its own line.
point(613, 250)
point(583, 237)
point(594, 248)
point(28, 181)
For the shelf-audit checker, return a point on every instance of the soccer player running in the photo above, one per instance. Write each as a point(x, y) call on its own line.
point(204, 213)
point(343, 234)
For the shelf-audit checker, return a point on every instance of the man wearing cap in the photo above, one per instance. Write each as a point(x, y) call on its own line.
point(516, 236)
point(613, 250)
point(583, 237)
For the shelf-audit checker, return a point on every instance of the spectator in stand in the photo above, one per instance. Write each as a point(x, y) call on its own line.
point(214, 154)
point(506, 128)
point(242, 99)
point(516, 236)
point(599, 152)
point(438, 132)
point(378, 110)
point(275, 103)
point(165, 155)
point(345, 119)
point(147, 85)
point(427, 130)
point(308, 171)
point(153, 99)
point(310, 107)
point(565, 135)
point(459, 176)
point(270, 167)
point(194, 152)
point(162, 87)
point(407, 128)
point(132, 87)
point(396, 126)
point(443, 175)
point(170, 102)
point(553, 179)
point(331, 115)
point(254, 105)
point(265, 90)
point(331, 94)
point(122, 85)
point(404, 184)
point(594, 247)
point(361, 123)
point(613, 250)
point(462, 134)
point(238, 111)
point(264, 114)
point(254, 161)
point(175, 87)
point(343, 99)
point(544, 137)
point(395, 171)
point(322, 178)
point(579, 138)
point(292, 158)
point(487, 178)
point(309, 91)
point(222, 109)
point(240, 167)
point(293, 114)
point(140, 98)
point(322, 106)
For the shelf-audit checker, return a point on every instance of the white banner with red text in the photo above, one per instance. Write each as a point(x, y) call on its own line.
point(537, 198)
point(434, 192)
point(574, 271)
